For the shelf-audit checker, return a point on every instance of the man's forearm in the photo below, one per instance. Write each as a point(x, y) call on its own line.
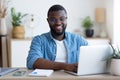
point(46, 64)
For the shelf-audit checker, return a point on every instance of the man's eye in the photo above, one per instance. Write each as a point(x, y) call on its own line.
point(62, 19)
point(52, 20)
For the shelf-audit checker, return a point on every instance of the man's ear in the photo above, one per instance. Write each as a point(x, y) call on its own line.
point(47, 19)
point(66, 17)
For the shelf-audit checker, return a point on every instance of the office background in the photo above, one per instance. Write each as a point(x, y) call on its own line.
point(77, 10)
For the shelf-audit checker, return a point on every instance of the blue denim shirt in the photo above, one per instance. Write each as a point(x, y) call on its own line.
point(43, 46)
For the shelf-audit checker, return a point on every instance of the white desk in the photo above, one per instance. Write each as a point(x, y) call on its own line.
point(60, 75)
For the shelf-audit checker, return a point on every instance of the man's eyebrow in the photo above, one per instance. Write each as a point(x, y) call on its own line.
point(51, 17)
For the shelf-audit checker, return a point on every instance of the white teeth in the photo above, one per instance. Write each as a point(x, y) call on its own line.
point(59, 27)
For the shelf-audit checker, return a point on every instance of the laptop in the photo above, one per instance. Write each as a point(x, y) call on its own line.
point(93, 60)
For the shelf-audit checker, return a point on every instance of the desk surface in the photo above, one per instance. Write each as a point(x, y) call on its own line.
point(60, 75)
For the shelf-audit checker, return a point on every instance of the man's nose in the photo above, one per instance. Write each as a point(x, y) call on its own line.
point(58, 21)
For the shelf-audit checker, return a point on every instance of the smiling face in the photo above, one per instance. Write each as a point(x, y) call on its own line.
point(57, 21)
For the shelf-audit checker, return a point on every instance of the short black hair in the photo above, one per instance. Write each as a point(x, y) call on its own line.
point(56, 8)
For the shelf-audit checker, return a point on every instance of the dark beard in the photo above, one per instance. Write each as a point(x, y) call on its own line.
point(57, 33)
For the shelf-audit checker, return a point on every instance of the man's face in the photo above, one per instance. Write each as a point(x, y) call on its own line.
point(57, 21)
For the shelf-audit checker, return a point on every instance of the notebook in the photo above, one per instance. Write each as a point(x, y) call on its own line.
point(41, 72)
point(93, 60)
point(4, 71)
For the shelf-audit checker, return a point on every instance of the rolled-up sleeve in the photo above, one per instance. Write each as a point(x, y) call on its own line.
point(83, 41)
point(34, 52)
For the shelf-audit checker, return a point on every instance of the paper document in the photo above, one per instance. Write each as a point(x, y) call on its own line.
point(41, 72)
point(4, 71)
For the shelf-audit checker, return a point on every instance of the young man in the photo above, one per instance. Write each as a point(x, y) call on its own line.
point(57, 49)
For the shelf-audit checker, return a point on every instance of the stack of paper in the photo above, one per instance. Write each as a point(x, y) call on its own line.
point(41, 72)
point(4, 71)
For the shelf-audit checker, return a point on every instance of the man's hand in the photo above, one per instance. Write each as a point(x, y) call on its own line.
point(71, 67)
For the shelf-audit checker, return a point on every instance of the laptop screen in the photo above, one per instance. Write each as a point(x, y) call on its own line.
point(93, 59)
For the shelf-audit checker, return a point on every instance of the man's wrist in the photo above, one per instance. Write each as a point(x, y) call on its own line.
point(64, 66)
